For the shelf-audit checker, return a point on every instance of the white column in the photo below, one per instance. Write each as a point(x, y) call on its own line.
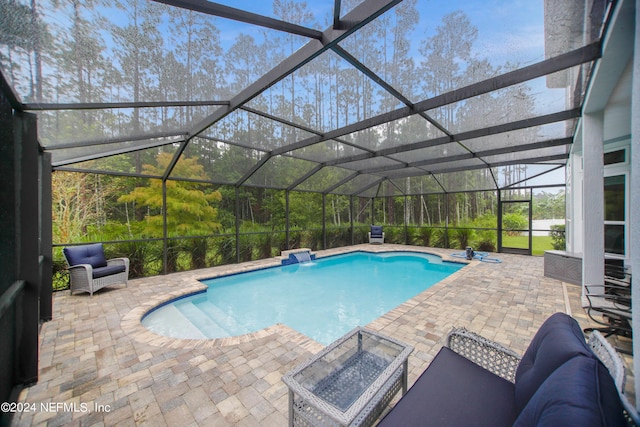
point(634, 205)
point(593, 199)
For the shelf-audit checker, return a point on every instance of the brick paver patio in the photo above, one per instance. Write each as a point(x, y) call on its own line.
point(99, 366)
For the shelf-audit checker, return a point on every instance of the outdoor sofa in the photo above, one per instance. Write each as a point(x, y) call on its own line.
point(559, 381)
point(89, 270)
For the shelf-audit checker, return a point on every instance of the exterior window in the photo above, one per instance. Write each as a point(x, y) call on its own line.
point(615, 214)
point(614, 239)
point(614, 204)
point(615, 157)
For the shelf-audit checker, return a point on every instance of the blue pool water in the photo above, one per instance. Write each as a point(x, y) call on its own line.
point(323, 299)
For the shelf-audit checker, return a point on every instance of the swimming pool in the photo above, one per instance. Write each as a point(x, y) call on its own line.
point(322, 299)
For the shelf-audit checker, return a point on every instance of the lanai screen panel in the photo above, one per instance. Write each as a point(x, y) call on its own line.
point(331, 150)
point(326, 178)
point(394, 134)
point(371, 165)
point(223, 163)
point(62, 127)
point(279, 172)
point(358, 185)
point(442, 88)
point(512, 141)
point(515, 176)
point(434, 154)
point(113, 156)
point(325, 94)
point(470, 180)
point(139, 52)
point(247, 129)
point(512, 104)
point(293, 11)
point(545, 176)
point(459, 166)
point(149, 162)
point(424, 184)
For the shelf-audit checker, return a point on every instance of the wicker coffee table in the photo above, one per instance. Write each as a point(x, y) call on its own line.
point(350, 382)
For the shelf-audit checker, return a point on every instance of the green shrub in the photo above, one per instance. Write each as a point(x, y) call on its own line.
point(512, 222)
point(485, 241)
point(227, 249)
point(463, 236)
point(361, 235)
point(198, 250)
point(393, 234)
point(311, 239)
point(173, 253)
point(558, 237)
point(265, 245)
point(141, 256)
point(246, 247)
point(295, 238)
point(426, 235)
point(338, 237)
point(439, 238)
point(60, 277)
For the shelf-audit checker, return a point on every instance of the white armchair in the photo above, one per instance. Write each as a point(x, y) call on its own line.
point(376, 235)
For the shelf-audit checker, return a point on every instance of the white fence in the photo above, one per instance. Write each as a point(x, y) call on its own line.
point(544, 224)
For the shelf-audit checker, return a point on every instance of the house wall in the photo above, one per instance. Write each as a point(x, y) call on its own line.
point(634, 215)
point(613, 95)
point(608, 97)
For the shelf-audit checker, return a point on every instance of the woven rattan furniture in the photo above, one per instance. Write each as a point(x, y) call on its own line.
point(473, 381)
point(376, 235)
point(89, 270)
point(611, 359)
point(348, 383)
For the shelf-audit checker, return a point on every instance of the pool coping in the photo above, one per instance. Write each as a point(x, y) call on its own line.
point(131, 322)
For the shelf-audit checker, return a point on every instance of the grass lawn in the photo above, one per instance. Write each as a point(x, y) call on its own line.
point(540, 243)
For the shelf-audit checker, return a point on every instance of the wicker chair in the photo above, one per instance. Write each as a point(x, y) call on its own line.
point(611, 359)
point(89, 270)
point(376, 235)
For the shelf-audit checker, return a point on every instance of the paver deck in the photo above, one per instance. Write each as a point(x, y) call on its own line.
point(100, 366)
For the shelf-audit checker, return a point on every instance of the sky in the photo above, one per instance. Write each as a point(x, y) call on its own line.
point(507, 31)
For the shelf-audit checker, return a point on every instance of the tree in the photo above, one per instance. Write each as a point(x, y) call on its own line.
point(189, 209)
point(138, 52)
point(73, 203)
point(23, 33)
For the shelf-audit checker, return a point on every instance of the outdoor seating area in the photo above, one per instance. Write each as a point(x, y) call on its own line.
point(145, 378)
point(148, 146)
point(558, 381)
point(376, 235)
point(90, 271)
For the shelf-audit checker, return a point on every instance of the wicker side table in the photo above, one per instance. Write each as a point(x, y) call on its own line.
point(350, 382)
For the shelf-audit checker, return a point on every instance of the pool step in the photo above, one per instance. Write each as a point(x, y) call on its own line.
point(179, 327)
point(209, 327)
point(218, 316)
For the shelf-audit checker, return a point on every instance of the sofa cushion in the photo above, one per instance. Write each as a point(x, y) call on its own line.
point(579, 393)
point(558, 340)
point(376, 230)
point(86, 254)
point(453, 391)
point(108, 270)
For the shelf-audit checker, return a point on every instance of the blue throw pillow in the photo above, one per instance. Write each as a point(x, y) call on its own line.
point(579, 393)
point(559, 339)
point(86, 254)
